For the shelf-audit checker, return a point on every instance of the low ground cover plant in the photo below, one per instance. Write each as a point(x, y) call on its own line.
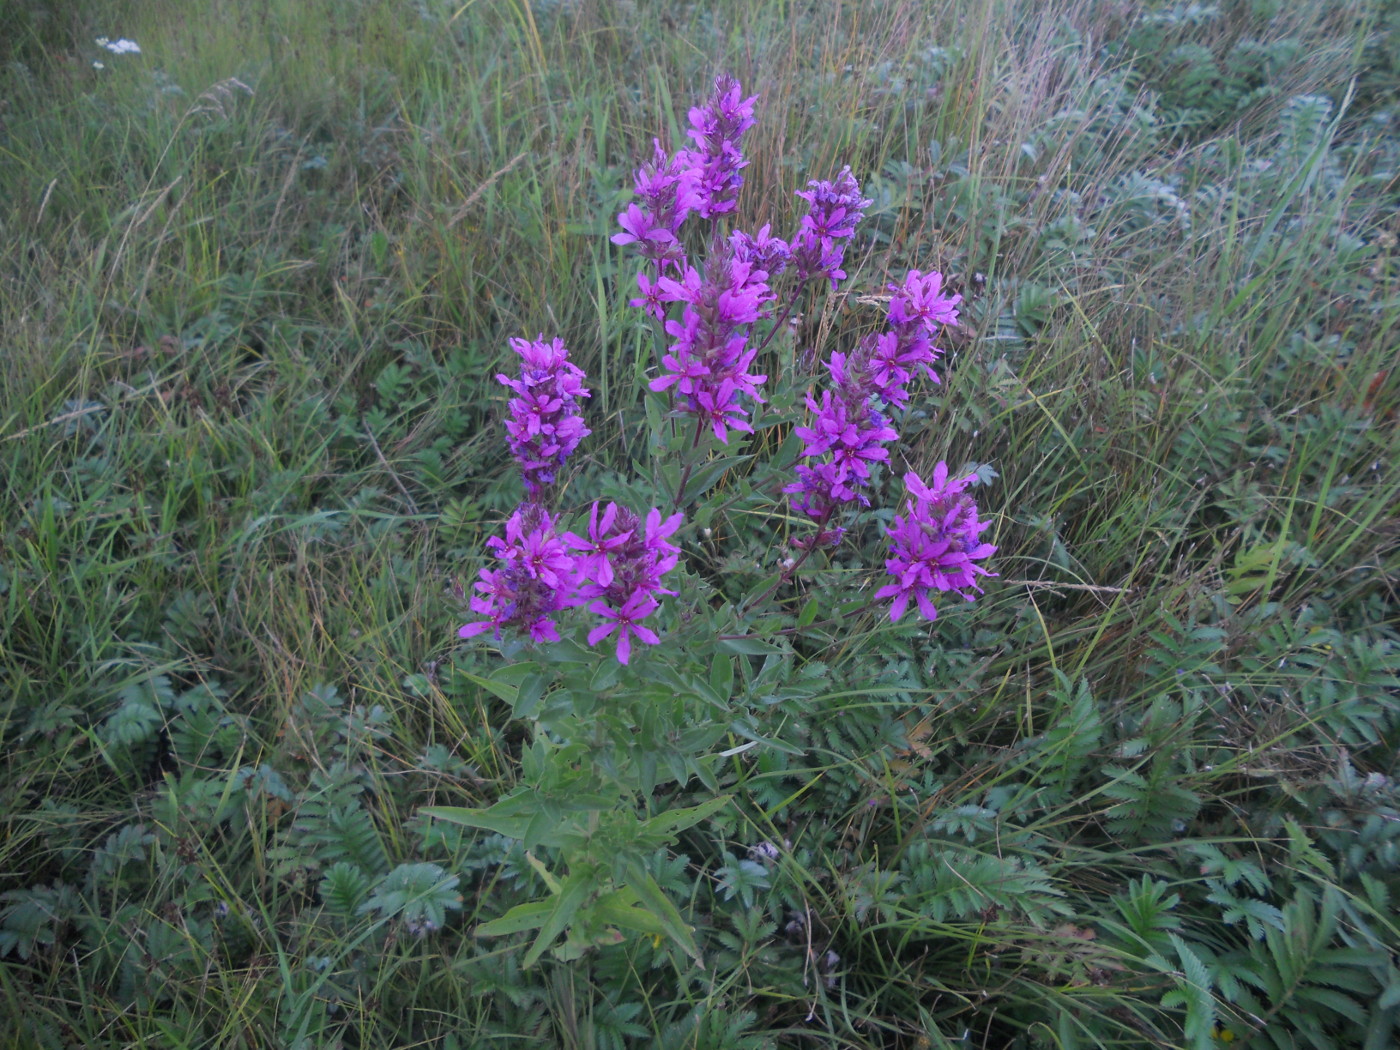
point(331, 327)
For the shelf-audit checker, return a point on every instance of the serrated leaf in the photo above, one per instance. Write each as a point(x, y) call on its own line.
point(1196, 991)
point(1331, 1000)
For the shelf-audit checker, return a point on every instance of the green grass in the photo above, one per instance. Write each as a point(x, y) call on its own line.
point(257, 280)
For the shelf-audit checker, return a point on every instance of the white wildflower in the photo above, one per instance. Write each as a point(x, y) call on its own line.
point(119, 47)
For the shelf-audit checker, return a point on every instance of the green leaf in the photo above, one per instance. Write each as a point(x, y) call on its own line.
point(540, 829)
point(1195, 986)
point(680, 819)
point(605, 676)
point(748, 733)
point(668, 475)
point(722, 676)
point(651, 897)
point(749, 646)
point(504, 685)
point(507, 824)
point(379, 247)
point(531, 692)
point(703, 478)
point(615, 911)
point(655, 421)
point(543, 872)
point(522, 917)
point(765, 587)
point(567, 902)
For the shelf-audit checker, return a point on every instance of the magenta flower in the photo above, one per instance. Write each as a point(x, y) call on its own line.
point(625, 621)
point(762, 250)
point(621, 563)
point(602, 541)
point(652, 298)
point(538, 578)
point(920, 300)
point(933, 547)
point(509, 599)
point(851, 435)
point(833, 210)
point(666, 195)
point(716, 128)
point(917, 310)
point(849, 429)
point(544, 426)
point(618, 567)
point(709, 363)
point(845, 439)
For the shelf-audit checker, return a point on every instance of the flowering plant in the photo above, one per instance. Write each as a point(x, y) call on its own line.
point(606, 739)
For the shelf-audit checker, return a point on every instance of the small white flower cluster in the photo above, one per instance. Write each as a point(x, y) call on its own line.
point(119, 47)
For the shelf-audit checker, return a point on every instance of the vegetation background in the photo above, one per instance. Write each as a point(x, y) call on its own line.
point(255, 280)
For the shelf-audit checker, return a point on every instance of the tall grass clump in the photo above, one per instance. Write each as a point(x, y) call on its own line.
point(261, 276)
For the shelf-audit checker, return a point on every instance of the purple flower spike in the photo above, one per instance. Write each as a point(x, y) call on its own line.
point(621, 565)
point(846, 437)
point(933, 547)
point(544, 426)
point(666, 195)
point(709, 363)
point(536, 580)
point(848, 430)
point(716, 128)
point(918, 308)
point(833, 210)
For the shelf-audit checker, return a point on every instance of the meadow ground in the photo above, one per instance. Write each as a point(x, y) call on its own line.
point(256, 279)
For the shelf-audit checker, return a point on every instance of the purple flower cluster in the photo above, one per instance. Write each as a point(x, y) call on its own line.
point(764, 251)
point(885, 362)
point(848, 432)
point(666, 195)
point(934, 545)
point(710, 361)
point(847, 435)
point(538, 578)
point(544, 426)
point(710, 364)
point(622, 559)
point(704, 180)
point(834, 208)
point(616, 569)
point(917, 309)
point(716, 128)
